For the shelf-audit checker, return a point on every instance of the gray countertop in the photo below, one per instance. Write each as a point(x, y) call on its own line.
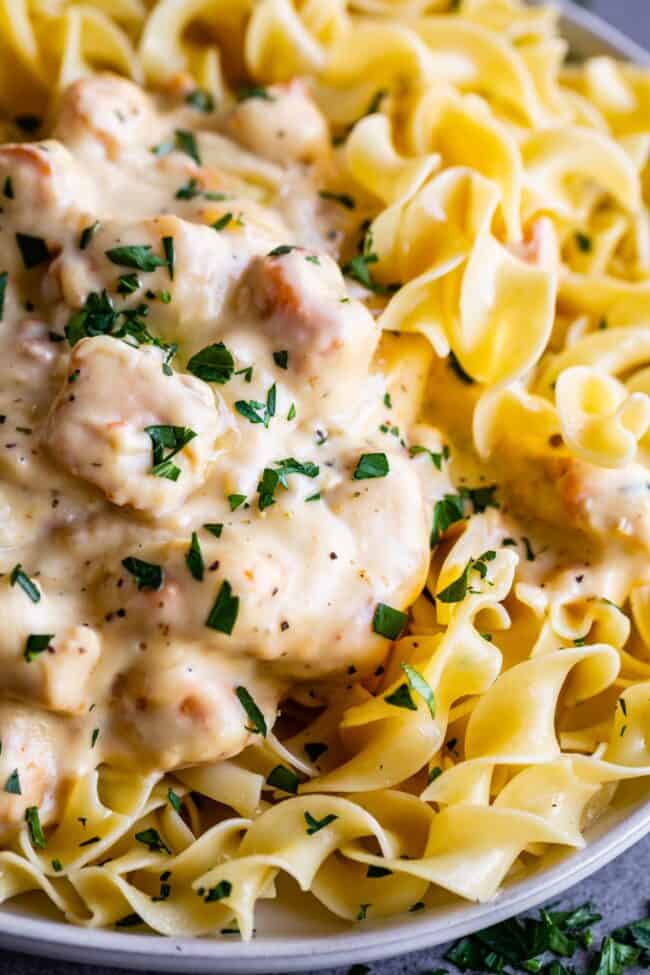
point(619, 891)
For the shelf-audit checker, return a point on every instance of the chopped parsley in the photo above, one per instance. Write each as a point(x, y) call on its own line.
point(36, 644)
point(359, 268)
point(421, 687)
point(401, 698)
point(218, 892)
point(530, 555)
point(201, 100)
point(434, 773)
point(147, 575)
point(363, 912)
point(213, 364)
point(446, 512)
point(215, 528)
point(250, 409)
point(283, 778)
point(87, 234)
point(292, 412)
point(170, 254)
point(57, 866)
point(188, 191)
point(137, 256)
point(281, 250)
point(28, 586)
point(389, 622)
point(8, 188)
point(344, 199)
point(194, 559)
point(246, 92)
point(584, 242)
point(236, 501)
point(185, 141)
point(281, 359)
point(246, 372)
point(152, 839)
point(437, 457)
point(456, 591)
point(255, 716)
point(4, 277)
point(35, 829)
point(223, 614)
point(175, 800)
point(170, 438)
point(371, 465)
point(94, 737)
point(222, 222)
point(314, 825)
point(313, 259)
point(33, 250)
point(12, 785)
point(128, 284)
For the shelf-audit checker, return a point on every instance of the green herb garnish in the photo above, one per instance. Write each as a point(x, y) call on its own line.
point(255, 716)
point(389, 622)
point(283, 778)
point(20, 578)
point(314, 825)
point(36, 644)
point(213, 364)
point(35, 829)
point(371, 465)
point(147, 575)
point(223, 614)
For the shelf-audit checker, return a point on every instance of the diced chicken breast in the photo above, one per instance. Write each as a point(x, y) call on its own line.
point(177, 705)
point(285, 125)
point(301, 301)
point(107, 117)
point(97, 427)
point(44, 191)
point(563, 490)
point(29, 768)
point(307, 585)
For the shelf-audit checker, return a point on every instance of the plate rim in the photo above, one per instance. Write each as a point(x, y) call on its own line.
point(60, 940)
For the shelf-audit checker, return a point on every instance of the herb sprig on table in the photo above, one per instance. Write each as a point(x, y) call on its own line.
point(545, 944)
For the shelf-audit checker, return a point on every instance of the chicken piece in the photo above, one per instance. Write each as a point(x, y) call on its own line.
point(307, 577)
point(206, 264)
point(97, 426)
point(107, 117)
point(564, 491)
point(42, 186)
point(286, 126)
point(303, 306)
point(29, 766)
point(177, 706)
point(56, 672)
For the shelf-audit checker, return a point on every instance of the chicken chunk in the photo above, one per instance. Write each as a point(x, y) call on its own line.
point(307, 577)
point(118, 419)
point(44, 193)
point(107, 117)
point(285, 126)
point(563, 490)
point(206, 265)
point(301, 301)
point(46, 657)
point(177, 705)
point(29, 767)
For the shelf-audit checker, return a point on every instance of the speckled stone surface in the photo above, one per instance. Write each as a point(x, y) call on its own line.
point(620, 891)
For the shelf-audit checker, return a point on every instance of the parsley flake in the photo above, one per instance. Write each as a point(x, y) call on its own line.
point(370, 466)
point(36, 644)
point(255, 716)
point(389, 622)
point(35, 829)
point(28, 586)
point(283, 778)
point(223, 614)
point(33, 250)
point(194, 559)
point(152, 839)
point(12, 785)
point(147, 575)
point(137, 256)
point(314, 825)
point(213, 364)
point(172, 438)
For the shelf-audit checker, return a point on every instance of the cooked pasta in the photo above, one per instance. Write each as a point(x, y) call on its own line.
point(324, 473)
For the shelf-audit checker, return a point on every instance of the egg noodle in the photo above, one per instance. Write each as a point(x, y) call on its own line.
point(500, 193)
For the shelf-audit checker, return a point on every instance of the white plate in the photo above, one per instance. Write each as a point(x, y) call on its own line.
point(295, 934)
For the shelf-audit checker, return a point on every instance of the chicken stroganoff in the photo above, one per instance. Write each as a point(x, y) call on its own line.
point(324, 447)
